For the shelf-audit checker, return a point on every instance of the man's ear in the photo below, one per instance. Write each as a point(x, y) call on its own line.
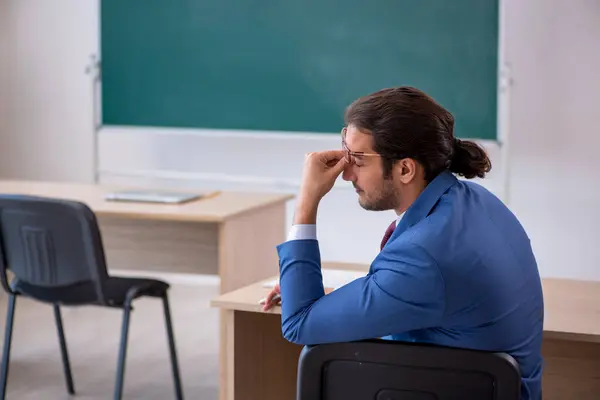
point(406, 170)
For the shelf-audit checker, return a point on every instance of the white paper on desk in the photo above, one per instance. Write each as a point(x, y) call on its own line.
point(332, 278)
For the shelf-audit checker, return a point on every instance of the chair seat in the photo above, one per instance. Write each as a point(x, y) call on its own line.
point(83, 293)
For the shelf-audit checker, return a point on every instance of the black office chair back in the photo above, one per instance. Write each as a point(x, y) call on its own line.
point(388, 370)
point(51, 243)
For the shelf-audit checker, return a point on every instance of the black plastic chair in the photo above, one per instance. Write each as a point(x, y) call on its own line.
point(53, 248)
point(388, 370)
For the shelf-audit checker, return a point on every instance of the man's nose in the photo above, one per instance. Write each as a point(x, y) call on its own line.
point(348, 174)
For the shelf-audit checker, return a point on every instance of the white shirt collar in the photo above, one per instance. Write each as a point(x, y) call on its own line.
point(399, 218)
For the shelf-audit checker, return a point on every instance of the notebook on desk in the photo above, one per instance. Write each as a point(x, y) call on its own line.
point(153, 196)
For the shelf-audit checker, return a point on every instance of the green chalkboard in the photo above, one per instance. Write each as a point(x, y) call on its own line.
point(289, 65)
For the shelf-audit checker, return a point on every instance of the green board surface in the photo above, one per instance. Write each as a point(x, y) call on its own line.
point(293, 65)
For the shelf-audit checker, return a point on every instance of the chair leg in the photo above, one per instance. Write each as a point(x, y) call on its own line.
point(7, 341)
point(122, 353)
point(63, 350)
point(172, 350)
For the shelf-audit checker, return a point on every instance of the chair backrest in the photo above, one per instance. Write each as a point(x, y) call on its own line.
point(389, 370)
point(50, 242)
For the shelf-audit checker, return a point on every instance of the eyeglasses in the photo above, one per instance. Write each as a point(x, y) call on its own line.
point(350, 155)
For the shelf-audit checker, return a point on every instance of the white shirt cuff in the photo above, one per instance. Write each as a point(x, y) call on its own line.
point(303, 232)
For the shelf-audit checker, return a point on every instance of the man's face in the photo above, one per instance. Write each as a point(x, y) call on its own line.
point(375, 193)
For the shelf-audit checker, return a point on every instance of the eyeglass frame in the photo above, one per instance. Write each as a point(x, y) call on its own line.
point(349, 153)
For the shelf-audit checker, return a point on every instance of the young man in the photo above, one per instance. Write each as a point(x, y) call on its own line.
point(455, 269)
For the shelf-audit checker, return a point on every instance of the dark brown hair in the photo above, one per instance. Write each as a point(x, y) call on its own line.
point(407, 123)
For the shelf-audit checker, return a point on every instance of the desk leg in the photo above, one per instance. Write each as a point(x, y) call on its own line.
point(226, 355)
point(261, 364)
point(247, 255)
point(571, 371)
point(247, 244)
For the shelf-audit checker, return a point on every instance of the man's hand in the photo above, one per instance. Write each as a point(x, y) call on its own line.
point(273, 298)
point(321, 169)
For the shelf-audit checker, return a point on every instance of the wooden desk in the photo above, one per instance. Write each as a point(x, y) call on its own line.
point(232, 234)
point(258, 364)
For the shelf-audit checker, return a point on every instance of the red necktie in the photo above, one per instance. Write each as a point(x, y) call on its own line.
point(388, 234)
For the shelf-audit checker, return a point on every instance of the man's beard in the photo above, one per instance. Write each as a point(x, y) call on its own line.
point(387, 198)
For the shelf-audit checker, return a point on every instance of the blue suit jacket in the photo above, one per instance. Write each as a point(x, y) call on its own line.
point(457, 271)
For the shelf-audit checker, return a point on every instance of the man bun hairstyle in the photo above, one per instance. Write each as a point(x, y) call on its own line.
point(469, 159)
point(407, 123)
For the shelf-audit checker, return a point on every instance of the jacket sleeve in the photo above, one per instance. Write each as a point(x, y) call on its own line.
point(404, 292)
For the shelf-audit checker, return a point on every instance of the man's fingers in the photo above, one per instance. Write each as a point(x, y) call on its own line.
point(340, 165)
point(272, 298)
point(328, 157)
point(336, 167)
point(331, 155)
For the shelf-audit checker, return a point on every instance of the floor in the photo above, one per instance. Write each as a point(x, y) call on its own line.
point(92, 335)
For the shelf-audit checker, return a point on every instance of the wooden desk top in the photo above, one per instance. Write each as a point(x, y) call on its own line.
point(215, 207)
point(572, 308)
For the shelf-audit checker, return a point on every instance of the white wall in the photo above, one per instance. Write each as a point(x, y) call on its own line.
point(554, 50)
point(550, 45)
point(4, 54)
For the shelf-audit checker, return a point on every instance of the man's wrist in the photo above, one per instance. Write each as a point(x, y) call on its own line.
point(306, 212)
